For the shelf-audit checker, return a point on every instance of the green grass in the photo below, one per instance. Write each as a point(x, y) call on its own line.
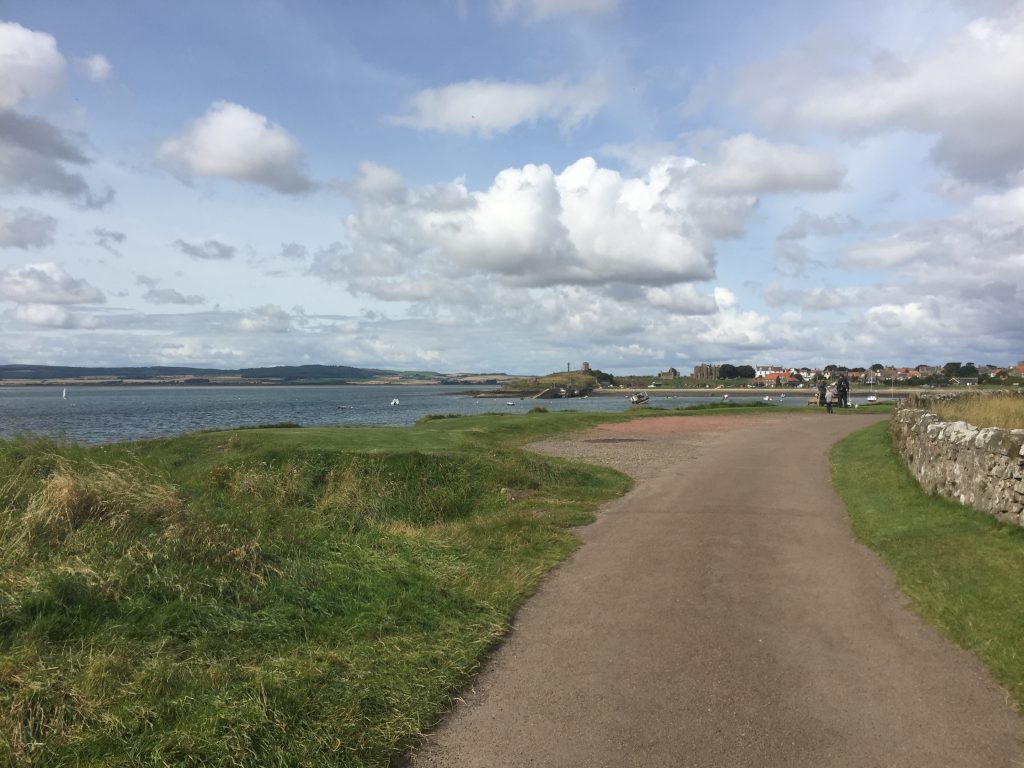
point(271, 596)
point(963, 571)
point(274, 596)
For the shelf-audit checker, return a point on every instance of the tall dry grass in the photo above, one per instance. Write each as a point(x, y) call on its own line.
point(982, 409)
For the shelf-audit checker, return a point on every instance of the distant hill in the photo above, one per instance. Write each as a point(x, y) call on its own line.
point(158, 372)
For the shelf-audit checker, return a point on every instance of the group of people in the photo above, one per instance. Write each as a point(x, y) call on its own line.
point(839, 394)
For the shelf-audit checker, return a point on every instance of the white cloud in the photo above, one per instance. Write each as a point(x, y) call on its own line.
point(50, 316)
point(171, 296)
point(1003, 211)
point(24, 228)
point(109, 240)
point(681, 299)
point(966, 92)
point(268, 318)
point(809, 225)
point(30, 64)
point(294, 252)
point(46, 283)
point(820, 298)
point(484, 108)
point(96, 67)
point(532, 227)
point(236, 143)
point(904, 317)
point(538, 10)
point(211, 250)
point(884, 254)
point(33, 154)
point(746, 164)
point(737, 329)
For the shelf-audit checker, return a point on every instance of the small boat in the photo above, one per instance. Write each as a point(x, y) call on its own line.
point(639, 398)
point(510, 403)
point(872, 398)
point(395, 401)
point(725, 396)
point(64, 394)
point(767, 398)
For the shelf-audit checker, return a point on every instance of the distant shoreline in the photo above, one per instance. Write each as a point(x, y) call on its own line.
point(716, 392)
point(234, 382)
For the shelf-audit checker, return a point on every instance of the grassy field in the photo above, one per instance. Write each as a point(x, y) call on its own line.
point(963, 571)
point(1004, 410)
point(270, 597)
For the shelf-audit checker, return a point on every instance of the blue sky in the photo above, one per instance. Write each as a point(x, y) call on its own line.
point(511, 185)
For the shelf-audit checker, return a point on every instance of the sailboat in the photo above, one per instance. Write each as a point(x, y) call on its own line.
point(872, 395)
point(64, 394)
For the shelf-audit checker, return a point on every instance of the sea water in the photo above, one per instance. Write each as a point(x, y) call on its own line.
point(106, 414)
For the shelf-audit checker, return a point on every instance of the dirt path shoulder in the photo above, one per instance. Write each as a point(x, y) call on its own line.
point(721, 614)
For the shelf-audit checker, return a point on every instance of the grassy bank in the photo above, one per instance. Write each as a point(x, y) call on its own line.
point(963, 571)
point(1005, 410)
point(267, 597)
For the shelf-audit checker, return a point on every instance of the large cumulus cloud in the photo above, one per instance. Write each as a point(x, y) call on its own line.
point(30, 64)
point(586, 225)
point(234, 142)
point(35, 155)
point(964, 91)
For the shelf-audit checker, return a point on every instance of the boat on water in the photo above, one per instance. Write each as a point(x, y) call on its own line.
point(639, 398)
point(871, 398)
point(395, 401)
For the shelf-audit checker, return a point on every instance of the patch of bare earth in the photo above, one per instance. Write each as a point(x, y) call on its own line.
point(643, 448)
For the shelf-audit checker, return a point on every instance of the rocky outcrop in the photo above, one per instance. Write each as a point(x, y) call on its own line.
point(979, 467)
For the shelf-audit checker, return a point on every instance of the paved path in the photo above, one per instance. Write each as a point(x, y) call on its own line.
point(721, 614)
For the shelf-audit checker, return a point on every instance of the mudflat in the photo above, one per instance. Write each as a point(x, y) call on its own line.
point(721, 614)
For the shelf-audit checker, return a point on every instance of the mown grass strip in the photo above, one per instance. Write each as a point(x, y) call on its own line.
point(963, 571)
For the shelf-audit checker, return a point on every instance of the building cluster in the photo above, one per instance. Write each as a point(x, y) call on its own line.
point(706, 371)
point(780, 376)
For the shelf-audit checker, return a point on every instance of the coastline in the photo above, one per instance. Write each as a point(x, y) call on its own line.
point(699, 392)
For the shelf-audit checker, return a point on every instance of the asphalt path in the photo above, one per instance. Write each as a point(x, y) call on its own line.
point(721, 614)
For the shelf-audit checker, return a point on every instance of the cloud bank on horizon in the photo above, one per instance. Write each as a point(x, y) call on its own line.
point(510, 185)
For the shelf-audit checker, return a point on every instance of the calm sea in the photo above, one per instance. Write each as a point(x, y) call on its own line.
point(111, 414)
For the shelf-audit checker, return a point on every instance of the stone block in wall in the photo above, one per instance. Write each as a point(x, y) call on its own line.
point(983, 468)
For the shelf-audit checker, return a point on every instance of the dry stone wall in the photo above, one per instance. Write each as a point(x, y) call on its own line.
point(983, 468)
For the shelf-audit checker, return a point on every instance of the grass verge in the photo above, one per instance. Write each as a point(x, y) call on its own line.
point(268, 597)
point(963, 571)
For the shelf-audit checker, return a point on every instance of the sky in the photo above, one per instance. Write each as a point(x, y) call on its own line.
point(511, 185)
